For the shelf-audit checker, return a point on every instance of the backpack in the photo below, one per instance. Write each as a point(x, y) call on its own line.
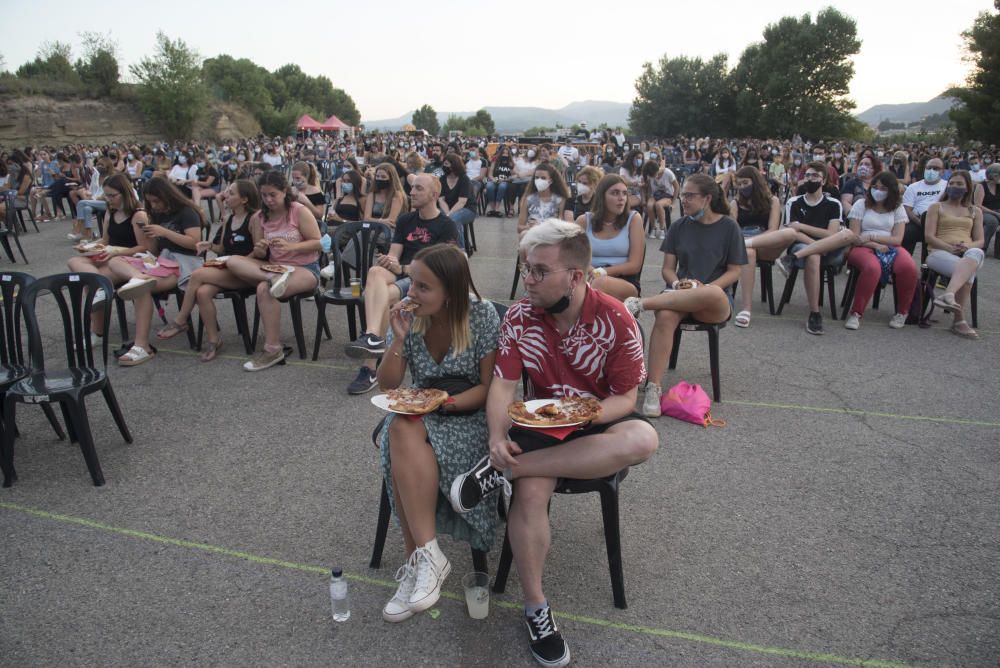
point(923, 301)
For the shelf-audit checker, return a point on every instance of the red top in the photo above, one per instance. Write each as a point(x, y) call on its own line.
point(600, 356)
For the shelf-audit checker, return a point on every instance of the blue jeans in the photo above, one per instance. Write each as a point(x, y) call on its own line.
point(463, 217)
point(85, 209)
point(496, 192)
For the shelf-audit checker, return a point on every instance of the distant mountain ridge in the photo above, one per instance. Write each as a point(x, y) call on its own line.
point(518, 119)
point(905, 113)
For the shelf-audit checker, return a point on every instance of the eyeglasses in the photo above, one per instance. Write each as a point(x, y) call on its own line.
point(536, 274)
point(813, 176)
point(690, 195)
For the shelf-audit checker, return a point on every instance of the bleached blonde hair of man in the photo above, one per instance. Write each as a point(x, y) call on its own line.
point(574, 246)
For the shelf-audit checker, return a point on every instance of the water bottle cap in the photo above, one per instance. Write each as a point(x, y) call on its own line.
point(336, 572)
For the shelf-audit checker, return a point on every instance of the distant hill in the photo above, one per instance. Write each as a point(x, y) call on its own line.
point(905, 113)
point(518, 119)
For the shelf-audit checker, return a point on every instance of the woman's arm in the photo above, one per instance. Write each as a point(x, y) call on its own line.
point(316, 211)
point(930, 230)
point(669, 270)
point(731, 276)
point(366, 213)
point(522, 218)
point(978, 234)
point(394, 211)
point(774, 217)
point(309, 229)
point(636, 250)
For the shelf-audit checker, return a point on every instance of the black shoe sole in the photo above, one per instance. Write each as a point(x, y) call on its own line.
point(358, 351)
point(816, 332)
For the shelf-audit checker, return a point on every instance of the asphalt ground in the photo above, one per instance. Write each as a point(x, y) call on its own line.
point(846, 515)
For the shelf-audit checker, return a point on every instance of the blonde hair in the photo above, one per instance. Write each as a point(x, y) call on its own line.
point(571, 239)
point(451, 267)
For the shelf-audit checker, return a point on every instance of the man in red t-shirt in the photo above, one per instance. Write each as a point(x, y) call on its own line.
point(569, 340)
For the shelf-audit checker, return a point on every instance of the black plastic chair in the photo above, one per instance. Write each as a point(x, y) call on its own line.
point(10, 229)
point(479, 561)
point(766, 284)
point(827, 275)
point(12, 367)
point(295, 307)
point(934, 277)
point(238, 299)
point(608, 489)
point(365, 237)
point(74, 295)
point(691, 325)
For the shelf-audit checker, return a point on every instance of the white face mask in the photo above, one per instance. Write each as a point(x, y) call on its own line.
point(531, 154)
point(541, 185)
point(879, 195)
point(582, 189)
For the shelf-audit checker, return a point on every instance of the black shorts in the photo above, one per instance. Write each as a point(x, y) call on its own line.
point(536, 439)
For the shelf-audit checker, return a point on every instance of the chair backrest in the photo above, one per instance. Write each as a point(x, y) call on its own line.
point(74, 295)
point(12, 284)
point(10, 213)
point(364, 237)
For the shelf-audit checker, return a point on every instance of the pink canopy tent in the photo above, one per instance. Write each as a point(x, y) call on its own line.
point(334, 123)
point(307, 122)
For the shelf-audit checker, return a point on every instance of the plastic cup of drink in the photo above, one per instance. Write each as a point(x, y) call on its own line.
point(355, 287)
point(477, 594)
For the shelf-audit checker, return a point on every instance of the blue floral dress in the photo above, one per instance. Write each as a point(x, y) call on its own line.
point(458, 441)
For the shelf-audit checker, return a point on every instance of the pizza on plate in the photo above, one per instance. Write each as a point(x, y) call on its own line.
point(417, 400)
point(215, 263)
point(557, 413)
point(275, 268)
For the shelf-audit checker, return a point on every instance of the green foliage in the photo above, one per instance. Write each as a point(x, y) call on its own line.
point(479, 124)
point(51, 62)
point(797, 79)
point(683, 96)
point(99, 66)
point(239, 81)
point(794, 81)
point(171, 91)
point(977, 116)
point(538, 131)
point(890, 125)
point(425, 118)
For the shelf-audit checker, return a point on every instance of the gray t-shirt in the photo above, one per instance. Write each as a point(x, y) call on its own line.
point(705, 251)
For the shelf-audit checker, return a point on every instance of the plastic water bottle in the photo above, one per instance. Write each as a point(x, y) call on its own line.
point(338, 596)
point(325, 243)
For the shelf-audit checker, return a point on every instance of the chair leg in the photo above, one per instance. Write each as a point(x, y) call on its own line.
point(7, 444)
point(849, 290)
point(79, 411)
point(240, 314)
point(54, 421)
point(381, 528)
point(974, 298)
point(116, 411)
point(675, 351)
point(612, 539)
point(17, 240)
point(517, 276)
point(832, 292)
point(320, 319)
point(256, 328)
point(5, 242)
point(503, 568)
point(295, 305)
point(479, 561)
point(122, 319)
point(786, 295)
point(70, 424)
point(713, 356)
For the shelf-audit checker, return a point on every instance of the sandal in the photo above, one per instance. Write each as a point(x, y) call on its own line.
point(172, 330)
point(212, 349)
point(965, 332)
point(948, 303)
point(135, 356)
point(743, 319)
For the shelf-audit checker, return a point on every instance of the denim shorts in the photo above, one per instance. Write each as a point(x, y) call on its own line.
point(751, 232)
point(312, 267)
point(834, 259)
point(403, 283)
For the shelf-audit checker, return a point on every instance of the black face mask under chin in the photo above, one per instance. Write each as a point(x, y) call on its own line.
point(559, 306)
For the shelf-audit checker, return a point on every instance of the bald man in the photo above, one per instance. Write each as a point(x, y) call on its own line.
point(388, 281)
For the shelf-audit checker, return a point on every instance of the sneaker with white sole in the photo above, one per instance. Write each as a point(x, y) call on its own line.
point(136, 287)
point(398, 607)
point(853, 321)
point(366, 345)
point(364, 382)
point(634, 306)
point(651, 401)
point(471, 487)
point(279, 285)
point(74, 237)
point(547, 644)
point(265, 360)
point(431, 568)
point(897, 321)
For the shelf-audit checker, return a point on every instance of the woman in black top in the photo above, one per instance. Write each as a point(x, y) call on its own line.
point(305, 188)
point(124, 217)
point(498, 180)
point(456, 200)
point(758, 213)
point(236, 237)
point(586, 184)
point(987, 197)
point(173, 235)
point(350, 204)
point(19, 180)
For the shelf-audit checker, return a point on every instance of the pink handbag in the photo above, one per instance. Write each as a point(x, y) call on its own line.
point(688, 402)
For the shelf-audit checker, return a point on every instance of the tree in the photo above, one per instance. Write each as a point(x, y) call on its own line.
point(890, 125)
point(796, 80)
point(683, 96)
point(99, 65)
point(482, 121)
point(977, 116)
point(453, 124)
point(170, 90)
point(425, 118)
point(51, 62)
point(239, 81)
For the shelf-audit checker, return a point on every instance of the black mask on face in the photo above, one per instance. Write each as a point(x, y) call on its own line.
point(559, 306)
point(813, 186)
point(447, 169)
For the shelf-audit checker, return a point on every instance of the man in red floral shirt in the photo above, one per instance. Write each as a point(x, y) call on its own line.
point(569, 340)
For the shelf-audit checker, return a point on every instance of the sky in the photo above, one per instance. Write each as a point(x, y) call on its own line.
point(394, 56)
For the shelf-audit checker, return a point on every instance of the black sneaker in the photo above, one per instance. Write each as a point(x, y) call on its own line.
point(471, 487)
point(363, 383)
point(367, 345)
point(547, 645)
point(785, 263)
point(814, 325)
